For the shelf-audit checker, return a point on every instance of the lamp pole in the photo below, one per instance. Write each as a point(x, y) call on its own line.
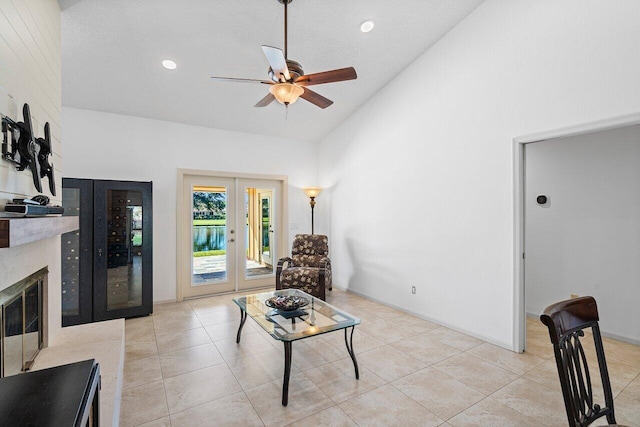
point(312, 203)
point(312, 193)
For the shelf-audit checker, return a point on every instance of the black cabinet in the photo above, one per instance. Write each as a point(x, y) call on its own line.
point(107, 264)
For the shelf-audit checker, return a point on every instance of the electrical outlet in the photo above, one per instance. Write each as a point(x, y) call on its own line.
point(413, 290)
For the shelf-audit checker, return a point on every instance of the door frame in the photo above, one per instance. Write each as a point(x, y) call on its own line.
point(519, 318)
point(181, 266)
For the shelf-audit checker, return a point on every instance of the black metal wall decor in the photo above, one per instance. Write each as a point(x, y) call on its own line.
point(27, 151)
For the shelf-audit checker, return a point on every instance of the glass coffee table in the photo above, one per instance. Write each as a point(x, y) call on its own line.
point(292, 324)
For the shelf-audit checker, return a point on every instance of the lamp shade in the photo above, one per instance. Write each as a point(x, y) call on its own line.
point(312, 191)
point(286, 93)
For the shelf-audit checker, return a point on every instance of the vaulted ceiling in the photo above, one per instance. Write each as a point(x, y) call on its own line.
point(112, 53)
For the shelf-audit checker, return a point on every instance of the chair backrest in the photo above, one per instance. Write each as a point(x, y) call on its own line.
point(308, 250)
point(567, 321)
point(310, 244)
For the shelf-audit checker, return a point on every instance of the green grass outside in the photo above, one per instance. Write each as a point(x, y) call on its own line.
point(197, 222)
point(209, 222)
point(209, 253)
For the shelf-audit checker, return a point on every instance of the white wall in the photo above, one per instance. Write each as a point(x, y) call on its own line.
point(108, 146)
point(30, 58)
point(586, 239)
point(421, 177)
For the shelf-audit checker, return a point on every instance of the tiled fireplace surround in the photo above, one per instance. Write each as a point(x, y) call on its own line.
point(103, 341)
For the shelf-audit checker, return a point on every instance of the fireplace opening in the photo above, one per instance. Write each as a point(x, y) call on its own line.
point(22, 323)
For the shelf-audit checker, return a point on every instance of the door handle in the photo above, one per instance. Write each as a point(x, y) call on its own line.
point(231, 240)
point(100, 252)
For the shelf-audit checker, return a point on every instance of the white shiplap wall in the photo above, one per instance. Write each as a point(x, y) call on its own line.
point(30, 71)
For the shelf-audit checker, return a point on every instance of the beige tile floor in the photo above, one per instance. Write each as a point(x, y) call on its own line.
point(183, 368)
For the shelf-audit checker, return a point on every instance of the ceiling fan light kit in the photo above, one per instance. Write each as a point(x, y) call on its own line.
point(287, 79)
point(286, 93)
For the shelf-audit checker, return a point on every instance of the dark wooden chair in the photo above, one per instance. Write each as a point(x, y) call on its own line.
point(308, 268)
point(567, 321)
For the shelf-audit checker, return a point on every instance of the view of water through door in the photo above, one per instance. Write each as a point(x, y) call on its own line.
point(209, 228)
point(232, 224)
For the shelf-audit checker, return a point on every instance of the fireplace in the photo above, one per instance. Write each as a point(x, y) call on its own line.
point(22, 323)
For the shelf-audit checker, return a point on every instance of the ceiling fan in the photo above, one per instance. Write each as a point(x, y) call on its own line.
point(287, 79)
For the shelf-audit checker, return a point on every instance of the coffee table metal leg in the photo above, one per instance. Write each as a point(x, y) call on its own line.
point(349, 344)
point(287, 372)
point(243, 318)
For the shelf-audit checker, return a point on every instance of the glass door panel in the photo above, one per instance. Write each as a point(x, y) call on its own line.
point(123, 245)
point(209, 221)
point(259, 233)
point(124, 262)
point(32, 323)
point(267, 228)
point(71, 256)
point(77, 253)
point(209, 235)
point(12, 355)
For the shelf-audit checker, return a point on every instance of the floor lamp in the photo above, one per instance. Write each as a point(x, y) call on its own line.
point(312, 193)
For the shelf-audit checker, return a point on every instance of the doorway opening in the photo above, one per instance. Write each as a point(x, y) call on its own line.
point(519, 329)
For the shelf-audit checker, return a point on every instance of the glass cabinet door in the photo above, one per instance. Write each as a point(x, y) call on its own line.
point(76, 251)
point(122, 249)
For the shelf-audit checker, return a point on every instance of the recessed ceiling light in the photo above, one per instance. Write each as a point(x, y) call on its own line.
point(366, 26)
point(169, 64)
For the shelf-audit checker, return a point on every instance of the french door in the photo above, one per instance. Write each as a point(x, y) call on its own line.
point(229, 233)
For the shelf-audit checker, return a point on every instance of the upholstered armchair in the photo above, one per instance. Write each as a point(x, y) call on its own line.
point(308, 268)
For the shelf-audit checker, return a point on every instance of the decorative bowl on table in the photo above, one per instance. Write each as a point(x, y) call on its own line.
point(286, 303)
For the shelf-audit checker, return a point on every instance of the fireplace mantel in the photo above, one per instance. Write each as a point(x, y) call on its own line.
point(18, 231)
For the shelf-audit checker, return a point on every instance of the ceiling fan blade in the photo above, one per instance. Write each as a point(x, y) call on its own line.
point(277, 61)
point(316, 98)
point(332, 76)
point(266, 100)
point(240, 80)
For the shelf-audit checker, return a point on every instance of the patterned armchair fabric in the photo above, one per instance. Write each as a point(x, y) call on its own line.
point(308, 268)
